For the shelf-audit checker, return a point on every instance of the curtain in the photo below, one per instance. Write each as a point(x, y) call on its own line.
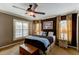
point(58, 27)
point(69, 28)
point(31, 27)
point(36, 27)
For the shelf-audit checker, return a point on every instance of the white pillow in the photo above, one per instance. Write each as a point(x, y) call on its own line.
point(50, 34)
point(43, 33)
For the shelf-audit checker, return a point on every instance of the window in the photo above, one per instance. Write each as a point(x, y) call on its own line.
point(21, 28)
point(63, 29)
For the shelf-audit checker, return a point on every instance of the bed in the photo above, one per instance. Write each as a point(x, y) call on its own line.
point(44, 43)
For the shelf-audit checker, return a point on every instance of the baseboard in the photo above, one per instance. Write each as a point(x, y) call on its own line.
point(72, 47)
point(6, 46)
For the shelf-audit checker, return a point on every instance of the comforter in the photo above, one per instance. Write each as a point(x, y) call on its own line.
point(41, 42)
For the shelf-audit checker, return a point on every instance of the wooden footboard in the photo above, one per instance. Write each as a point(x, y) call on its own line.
point(50, 48)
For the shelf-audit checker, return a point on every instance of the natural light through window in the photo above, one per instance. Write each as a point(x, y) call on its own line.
point(63, 29)
point(21, 28)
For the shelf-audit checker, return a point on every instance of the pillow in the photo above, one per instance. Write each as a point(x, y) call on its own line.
point(43, 33)
point(50, 34)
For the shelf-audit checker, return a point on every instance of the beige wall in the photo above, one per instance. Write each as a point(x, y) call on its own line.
point(6, 28)
point(78, 32)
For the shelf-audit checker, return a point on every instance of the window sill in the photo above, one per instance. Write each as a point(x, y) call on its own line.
point(19, 38)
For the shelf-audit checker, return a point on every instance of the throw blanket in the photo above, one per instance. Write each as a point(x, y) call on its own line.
point(43, 40)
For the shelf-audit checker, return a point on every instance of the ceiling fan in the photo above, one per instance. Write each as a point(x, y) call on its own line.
point(31, 10)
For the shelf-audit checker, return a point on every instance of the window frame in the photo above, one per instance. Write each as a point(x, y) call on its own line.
point(14, 29)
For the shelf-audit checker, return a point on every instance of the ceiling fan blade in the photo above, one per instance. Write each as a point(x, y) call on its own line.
point(40, 13)
point(34, 6)
point(18, 7)
point(28, 9)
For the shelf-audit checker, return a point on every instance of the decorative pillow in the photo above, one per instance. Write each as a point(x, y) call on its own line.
point(43, 33)
point(50, 34)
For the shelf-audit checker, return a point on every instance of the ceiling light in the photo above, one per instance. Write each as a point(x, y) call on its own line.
point(31, 13)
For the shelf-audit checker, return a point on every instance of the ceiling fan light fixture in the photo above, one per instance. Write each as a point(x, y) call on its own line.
point(31, 10)
point(31, 13)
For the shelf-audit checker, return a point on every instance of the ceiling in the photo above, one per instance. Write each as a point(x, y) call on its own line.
point(51, 9)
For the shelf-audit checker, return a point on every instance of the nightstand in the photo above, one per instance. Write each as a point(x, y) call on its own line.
point(63, 43)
